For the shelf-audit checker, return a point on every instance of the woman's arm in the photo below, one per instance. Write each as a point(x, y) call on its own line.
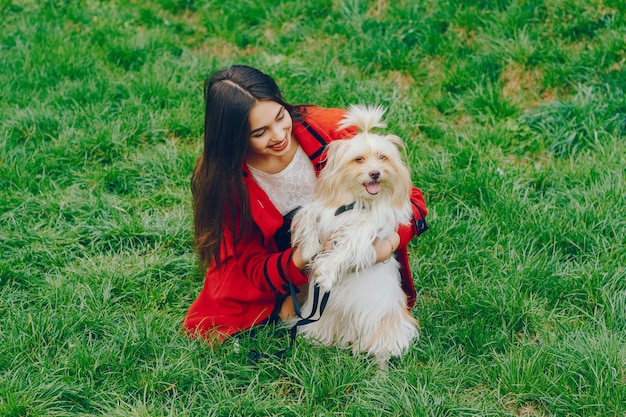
point(264, 267)
point(417, 225)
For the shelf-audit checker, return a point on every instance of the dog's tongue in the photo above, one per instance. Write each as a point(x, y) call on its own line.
point(372, 187)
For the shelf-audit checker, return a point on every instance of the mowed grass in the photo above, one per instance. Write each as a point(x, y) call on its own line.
point(514, 114)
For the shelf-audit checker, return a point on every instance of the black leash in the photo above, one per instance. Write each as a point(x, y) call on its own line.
point(255, 355)
point(283, 236)
point(309, 319)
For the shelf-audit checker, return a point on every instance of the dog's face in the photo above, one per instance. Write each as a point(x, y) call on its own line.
point(366, 168)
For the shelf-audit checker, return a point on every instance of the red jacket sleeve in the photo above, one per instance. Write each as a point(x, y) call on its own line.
point(418, 225)
point(262, 265)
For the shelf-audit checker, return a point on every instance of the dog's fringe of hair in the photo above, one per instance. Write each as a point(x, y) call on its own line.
point(365, 118)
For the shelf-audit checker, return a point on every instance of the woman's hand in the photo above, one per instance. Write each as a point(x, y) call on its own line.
point(386, 247)
point(300, 262)
point(287, 309)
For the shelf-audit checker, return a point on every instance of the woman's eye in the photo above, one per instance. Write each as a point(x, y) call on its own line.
point(259, 134)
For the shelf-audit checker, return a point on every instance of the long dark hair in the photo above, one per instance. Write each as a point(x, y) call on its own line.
point(217, 185)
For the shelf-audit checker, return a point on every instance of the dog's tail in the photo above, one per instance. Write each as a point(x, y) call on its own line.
point(365, 118)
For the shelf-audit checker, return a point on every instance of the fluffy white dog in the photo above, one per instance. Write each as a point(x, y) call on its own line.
point(361, 197)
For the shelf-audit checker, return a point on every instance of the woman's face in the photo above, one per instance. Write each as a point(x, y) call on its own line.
point(270, 129)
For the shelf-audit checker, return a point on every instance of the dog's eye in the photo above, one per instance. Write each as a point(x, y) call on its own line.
point(359, 159)
point(382, 157)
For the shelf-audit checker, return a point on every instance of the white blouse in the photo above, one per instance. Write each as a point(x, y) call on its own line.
point(290, 188)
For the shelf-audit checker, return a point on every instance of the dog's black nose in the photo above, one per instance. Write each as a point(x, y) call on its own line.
point(374, 174)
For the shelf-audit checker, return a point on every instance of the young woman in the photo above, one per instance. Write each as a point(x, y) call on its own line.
point(260, 161)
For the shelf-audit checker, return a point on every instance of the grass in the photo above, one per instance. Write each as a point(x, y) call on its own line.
point(514, 113)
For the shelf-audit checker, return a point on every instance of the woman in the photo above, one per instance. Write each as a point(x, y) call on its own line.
point(260, 161)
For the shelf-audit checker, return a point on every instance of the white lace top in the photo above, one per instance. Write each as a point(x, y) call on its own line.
point(290, 188)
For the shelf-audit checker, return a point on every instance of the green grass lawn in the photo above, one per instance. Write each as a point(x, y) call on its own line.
point(514, 112)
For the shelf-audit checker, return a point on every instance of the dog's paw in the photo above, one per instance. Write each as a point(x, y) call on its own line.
point(324, 281)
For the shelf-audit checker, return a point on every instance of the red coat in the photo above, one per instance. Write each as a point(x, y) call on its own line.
point(242, 292)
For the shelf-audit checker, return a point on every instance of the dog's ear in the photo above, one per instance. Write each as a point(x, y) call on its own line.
point(329, 187)
point(330, 149)
point(402, 187)
point(396, 140)
point(402, 181)
point(332, 153)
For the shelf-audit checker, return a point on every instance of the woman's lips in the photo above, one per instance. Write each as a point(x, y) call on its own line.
point(280, 146)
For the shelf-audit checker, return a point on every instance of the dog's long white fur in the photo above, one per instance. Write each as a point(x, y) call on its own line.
point(367, 308)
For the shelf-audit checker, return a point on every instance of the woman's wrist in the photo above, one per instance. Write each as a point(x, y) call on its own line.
point(296, 258)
